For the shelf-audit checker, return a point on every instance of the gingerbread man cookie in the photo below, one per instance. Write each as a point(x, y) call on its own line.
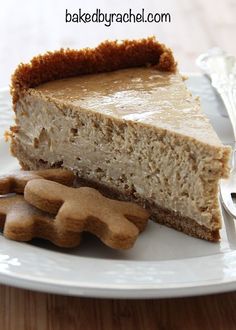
point(116, 223)
point(21, 221)
point(14, 182)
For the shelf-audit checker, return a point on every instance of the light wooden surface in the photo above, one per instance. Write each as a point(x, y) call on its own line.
point(25, 310)
point(29, 27)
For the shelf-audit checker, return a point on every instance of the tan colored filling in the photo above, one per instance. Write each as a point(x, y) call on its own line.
point(140, 157)
point(142, 95)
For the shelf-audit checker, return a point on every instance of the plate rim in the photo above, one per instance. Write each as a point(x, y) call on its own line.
point(117, 293)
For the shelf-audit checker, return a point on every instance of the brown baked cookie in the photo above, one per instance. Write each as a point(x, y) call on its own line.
point(116, 223)
point(21, 221)
point(14, 182)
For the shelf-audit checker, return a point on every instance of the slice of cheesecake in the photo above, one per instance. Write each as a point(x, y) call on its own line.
point(121, 117)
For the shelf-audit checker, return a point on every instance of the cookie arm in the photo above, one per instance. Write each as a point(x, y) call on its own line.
point(133, 212)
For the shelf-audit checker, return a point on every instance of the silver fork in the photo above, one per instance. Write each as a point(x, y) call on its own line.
point(221, 68)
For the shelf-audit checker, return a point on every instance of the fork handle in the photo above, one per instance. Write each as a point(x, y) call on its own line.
point(228, 95)
point(227, 92)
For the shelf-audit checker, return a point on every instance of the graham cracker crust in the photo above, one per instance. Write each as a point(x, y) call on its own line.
point(108, 56)
point(159, 214)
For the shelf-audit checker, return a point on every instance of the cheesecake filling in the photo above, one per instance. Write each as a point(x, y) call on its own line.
point(139, 95)
point(105, 136)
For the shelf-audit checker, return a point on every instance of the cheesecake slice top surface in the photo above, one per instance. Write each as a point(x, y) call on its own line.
point(143, 95)
point(133, 81)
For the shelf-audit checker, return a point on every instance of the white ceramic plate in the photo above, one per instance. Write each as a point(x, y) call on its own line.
point(163, 263)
